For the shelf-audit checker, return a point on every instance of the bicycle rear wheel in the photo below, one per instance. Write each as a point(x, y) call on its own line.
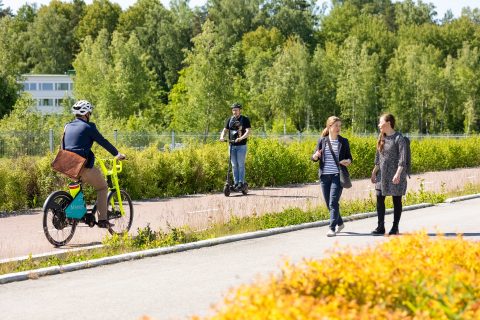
point(58, 229)
point(122, 224)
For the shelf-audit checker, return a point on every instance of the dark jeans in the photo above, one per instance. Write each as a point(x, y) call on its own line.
point(332, 191)
point(397, 209)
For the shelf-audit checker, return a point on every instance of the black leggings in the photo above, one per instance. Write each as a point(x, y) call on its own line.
point(397, 209)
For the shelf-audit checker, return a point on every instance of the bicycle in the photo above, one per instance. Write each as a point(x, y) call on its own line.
point(62, 211)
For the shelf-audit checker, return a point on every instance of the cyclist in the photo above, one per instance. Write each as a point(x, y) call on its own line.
point(238, 128)
point(79, 137)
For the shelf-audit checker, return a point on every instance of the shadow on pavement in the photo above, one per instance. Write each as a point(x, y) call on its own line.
point(32, 212)
point(298, 197)
point(351, 234)
point(80, 245)
point(454, 234)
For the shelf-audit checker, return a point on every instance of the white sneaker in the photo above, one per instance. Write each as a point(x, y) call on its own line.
point(340, 227)
point(331, 233)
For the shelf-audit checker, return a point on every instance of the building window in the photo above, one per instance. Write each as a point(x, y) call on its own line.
point(61, 86)
point(58, 102)
point(71, 86)
point(29, 86)
point(45, 102)
point(47, 86)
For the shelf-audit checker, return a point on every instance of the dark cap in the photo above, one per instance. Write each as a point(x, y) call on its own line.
point(236, 105)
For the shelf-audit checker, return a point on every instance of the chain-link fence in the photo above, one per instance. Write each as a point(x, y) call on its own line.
point(15, 143)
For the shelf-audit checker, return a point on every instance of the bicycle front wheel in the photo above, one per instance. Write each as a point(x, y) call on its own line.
point(58, 229)
point(122, 223)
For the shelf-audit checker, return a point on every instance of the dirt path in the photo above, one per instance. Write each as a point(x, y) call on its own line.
point(22, 235)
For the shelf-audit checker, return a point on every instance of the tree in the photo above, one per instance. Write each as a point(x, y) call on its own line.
point(101, 14)
point(325, 73)
point(204, 90)
point(163, 35)
point(289, 85)
point(292, 17)
point(114, 76)
point(9, 69)
point(131, 79)
point(337, 25)
point(260, 48)
point(50, 43)
point(414, 90)
point(93, 69)
point(407, 13)
point(372, 31)
point(5, 12)
point(233, 18)
point(467, 83)
point(358, 77)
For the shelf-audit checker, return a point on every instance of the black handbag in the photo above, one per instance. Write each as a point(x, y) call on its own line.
point(345, 181)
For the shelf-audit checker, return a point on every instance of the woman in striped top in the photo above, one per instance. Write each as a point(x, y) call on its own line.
point(329, 171)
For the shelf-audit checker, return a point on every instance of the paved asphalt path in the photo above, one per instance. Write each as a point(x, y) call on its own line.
point(177, 285)
point(23, 234)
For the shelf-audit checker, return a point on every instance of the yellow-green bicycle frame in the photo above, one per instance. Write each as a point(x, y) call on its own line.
point(112, 171)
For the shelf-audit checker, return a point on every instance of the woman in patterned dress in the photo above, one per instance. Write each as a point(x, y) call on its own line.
point(389, 174)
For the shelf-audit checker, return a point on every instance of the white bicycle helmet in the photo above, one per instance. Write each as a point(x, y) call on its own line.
point(82, 107)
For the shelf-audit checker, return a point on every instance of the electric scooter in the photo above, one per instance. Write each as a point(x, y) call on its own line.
point(229, 186)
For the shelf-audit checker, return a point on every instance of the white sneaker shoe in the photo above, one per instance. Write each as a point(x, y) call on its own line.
point(340, 227)
point(331, 233)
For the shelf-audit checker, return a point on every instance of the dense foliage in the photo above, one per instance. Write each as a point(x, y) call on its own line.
point(408, 277)
point(26, 181)
point(290, 62)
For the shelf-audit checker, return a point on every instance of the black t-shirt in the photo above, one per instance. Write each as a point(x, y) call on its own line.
point(236, 128)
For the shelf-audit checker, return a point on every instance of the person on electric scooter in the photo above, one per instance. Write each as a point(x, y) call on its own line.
point(79, 136)
point(238, 129)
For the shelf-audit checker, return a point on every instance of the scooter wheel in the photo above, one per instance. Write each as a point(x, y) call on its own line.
point(245, 188)
point(226, 190)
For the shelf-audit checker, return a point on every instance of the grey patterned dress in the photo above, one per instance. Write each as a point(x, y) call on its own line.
point(394, 154)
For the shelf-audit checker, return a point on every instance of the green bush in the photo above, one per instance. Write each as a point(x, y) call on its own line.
point(26, 181)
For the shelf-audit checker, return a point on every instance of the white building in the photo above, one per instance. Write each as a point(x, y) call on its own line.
point(48, 90)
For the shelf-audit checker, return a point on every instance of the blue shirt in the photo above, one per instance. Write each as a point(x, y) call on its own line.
point(79, 137)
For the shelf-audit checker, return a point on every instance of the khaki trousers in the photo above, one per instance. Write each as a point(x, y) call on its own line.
point(94, 177)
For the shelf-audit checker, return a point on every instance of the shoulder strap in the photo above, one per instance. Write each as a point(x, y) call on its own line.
point(62, 145)
point(333, 153)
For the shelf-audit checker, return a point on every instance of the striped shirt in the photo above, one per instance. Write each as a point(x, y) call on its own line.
point(330, 167)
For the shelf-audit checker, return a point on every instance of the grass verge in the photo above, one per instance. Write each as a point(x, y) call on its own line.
point(148, 238)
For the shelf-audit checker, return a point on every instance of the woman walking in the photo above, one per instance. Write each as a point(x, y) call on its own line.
point(333, 151)
point(389, 174)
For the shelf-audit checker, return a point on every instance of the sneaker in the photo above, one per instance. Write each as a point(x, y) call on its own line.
point(240, 186)
point(340, 227)
point(104, 224)
point(378, 232)
point(331, 233)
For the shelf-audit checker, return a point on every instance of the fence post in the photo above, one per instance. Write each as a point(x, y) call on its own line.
point(115, 136)
point(173, 139)
point(50, 139)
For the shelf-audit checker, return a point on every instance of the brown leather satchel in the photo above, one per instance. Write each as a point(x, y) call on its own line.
point(67, 162)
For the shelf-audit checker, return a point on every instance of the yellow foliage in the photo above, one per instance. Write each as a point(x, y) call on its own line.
point(409, 277)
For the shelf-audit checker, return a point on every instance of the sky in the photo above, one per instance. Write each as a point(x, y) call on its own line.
point(441, 5)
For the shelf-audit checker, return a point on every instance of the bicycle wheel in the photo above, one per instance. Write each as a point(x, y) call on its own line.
point(121, 223)
point(57, 228)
